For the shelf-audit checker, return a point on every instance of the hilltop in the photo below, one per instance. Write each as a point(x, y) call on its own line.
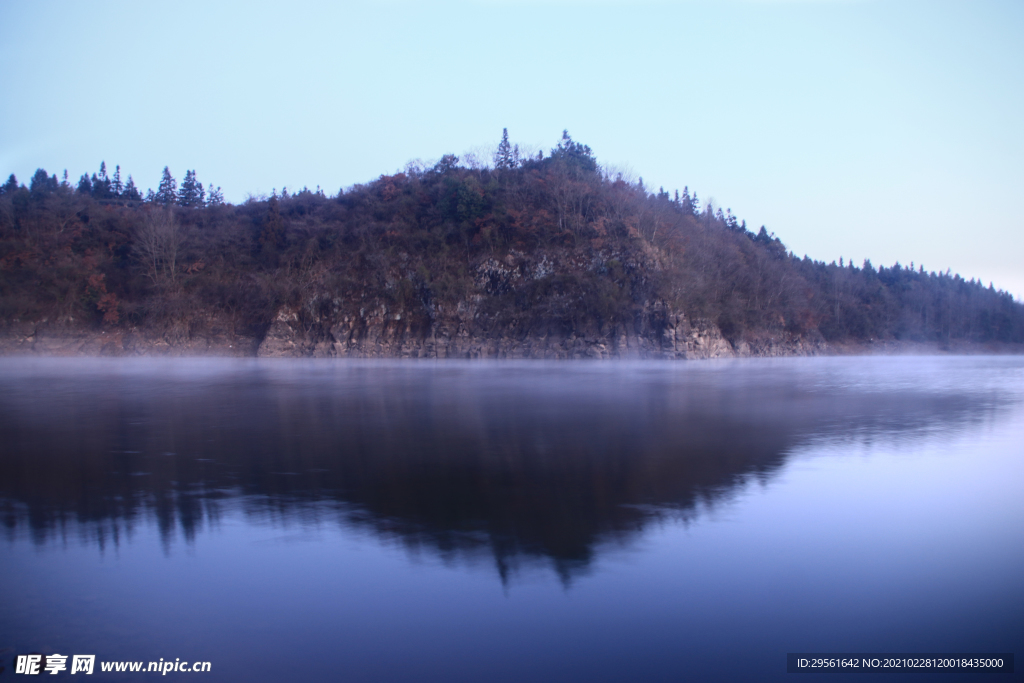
point(548, 256)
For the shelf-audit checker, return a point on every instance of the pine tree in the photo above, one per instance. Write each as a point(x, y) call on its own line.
point(574, 153)
point(730, 220)
point(117, 187)
point(503, 157)
point(84, 184)
point(131, 192)
point(216, 197)
point(167, 192)
point(101, 186)
point(42, 183)
point(191, 193)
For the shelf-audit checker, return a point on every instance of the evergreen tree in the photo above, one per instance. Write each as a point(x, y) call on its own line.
point(687, 201)
point(503, 157)
point(101, 185)
point(191, 192)
point(216, 197)
point(730, 220)
point(84, 184)
point(116, 186)
point(42, 183)
point(131, 192)
point(574, 153)
point(10, 186)
point(167, 191)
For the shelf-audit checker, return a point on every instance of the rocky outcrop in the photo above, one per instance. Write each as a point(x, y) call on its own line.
point(517, 306)
point(380, 335)
point(658, 332)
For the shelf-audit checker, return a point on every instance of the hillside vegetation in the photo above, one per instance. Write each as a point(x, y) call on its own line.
point(543, 256)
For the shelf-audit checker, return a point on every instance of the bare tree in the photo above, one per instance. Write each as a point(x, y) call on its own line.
point(158, 245)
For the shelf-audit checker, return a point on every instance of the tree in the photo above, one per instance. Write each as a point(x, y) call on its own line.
point(447, 163)
point(167, 192)
point(101, 185)
point(574, 153)
point(272, 236)
point(84, 184)
point(42, 183)
point(503, 159)
point(10, 186)
point(573, 172)
point(131, 192)
point(192, 192)
point(216, 197)
point(116, 186)
point(158, 245)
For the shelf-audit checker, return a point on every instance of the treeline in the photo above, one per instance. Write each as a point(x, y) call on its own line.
point(102, 186)
point(549, 241)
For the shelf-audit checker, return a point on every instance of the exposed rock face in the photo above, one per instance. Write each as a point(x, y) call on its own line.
point(378, 332)
point(657, 333)
point(284, 338)
point(518, 306)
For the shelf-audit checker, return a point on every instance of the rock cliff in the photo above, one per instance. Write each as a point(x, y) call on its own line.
point(657, 333)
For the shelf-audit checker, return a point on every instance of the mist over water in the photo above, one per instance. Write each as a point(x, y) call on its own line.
point(558, 521)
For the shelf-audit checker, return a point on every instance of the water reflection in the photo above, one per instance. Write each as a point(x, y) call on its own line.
point(519, 462)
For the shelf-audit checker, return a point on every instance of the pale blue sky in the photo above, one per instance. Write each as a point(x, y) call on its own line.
point(884, 130)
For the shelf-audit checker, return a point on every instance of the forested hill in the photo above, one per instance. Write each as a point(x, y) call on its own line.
point(546, 256)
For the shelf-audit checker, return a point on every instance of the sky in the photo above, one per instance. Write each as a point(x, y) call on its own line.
point(883, 130)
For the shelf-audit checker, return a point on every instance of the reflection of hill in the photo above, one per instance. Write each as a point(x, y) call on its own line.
point(517, 460)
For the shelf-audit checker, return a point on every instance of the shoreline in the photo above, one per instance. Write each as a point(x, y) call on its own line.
point(133, 343)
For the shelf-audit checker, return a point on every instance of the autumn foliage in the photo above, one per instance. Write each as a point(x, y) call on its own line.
point(417, 242)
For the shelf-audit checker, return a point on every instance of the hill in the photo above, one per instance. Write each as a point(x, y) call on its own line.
point(548, 256)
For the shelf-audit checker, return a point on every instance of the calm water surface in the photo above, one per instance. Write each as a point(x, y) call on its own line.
point(375, 521)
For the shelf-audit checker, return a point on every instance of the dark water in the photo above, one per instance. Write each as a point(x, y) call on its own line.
point(366, 521)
